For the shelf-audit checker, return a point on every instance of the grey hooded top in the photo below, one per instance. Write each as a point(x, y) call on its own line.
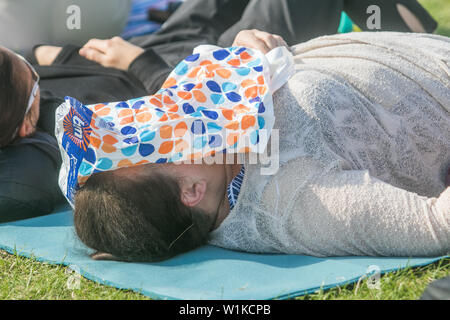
point(364, 147)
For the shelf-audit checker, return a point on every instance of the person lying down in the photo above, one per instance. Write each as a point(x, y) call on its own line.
point(362, 149)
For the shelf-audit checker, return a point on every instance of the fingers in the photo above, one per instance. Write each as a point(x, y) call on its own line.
point(272, 40)
point(280, 40)
point(98, 50)
point(249, 38)
point(269, 40)
point(99, 45)
point(263, 41)
point(258, 43)
point(95, 50)
point(92, 54)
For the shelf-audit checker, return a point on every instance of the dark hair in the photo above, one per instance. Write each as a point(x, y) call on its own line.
point(137, 218)
point(13, 98)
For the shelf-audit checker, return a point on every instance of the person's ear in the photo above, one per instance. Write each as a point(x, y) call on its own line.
point(26, 128)
point(192, 194)
point(103, 256)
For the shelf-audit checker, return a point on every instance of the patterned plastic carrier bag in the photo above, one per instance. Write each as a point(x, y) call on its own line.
point(216, 100)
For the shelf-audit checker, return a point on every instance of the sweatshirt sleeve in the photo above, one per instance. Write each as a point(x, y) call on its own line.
point(151, 70)
point(352, 213)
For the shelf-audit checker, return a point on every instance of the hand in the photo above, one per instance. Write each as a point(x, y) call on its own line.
point(112, 53)
point(259, 40)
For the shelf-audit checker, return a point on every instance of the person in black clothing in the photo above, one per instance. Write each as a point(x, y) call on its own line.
point(115, 70)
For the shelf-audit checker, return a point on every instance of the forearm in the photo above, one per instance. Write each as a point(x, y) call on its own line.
point(151, 70)
point(45, 55)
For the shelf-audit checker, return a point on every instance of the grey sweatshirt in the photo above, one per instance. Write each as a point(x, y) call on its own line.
point(364, 146)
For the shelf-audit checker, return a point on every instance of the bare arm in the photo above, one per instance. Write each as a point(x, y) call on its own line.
point(45, 55)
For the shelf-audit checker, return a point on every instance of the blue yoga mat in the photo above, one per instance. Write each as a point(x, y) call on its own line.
point(206, 273)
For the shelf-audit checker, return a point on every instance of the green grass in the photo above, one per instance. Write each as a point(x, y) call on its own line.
point(22, 278)
point(404, 284)
point(25, 279)
point(440, 10)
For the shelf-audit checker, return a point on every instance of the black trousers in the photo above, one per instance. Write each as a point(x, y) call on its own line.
point(218, 21)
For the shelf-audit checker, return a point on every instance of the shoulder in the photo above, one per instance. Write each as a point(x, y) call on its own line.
point(29, 178)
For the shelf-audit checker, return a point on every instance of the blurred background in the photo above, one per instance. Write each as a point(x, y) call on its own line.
point(440, 10)
point(25, 23)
